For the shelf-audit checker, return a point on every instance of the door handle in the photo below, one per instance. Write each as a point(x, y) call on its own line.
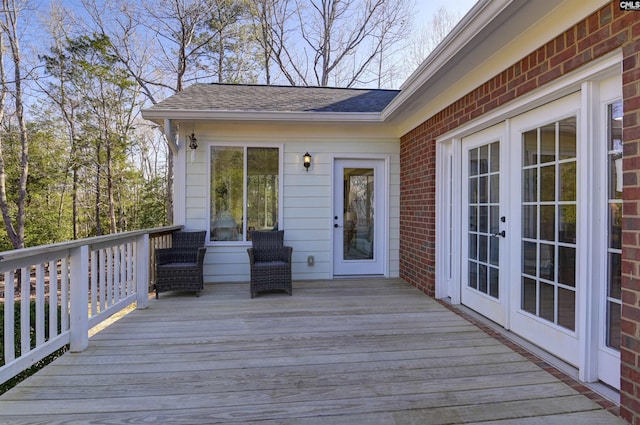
point(499, 234)
point(336, 225)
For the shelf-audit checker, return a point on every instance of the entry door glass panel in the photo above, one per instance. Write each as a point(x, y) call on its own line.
point(359, 217)
point(484, 219)
point(548, 286)
point(359, 231)
point(614, 244)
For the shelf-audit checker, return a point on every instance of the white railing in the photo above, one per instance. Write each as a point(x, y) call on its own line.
point(73, 287)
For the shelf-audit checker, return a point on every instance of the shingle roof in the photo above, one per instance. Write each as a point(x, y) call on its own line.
point(262, 98)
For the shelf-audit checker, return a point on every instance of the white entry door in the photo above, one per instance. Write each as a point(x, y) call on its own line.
point(359, 237)
point(484, 223)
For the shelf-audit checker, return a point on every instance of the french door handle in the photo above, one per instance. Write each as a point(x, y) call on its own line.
point(336, 225)
point(500, 234)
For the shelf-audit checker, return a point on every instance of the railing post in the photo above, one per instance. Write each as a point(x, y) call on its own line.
point(142, 271)
point(79, 320)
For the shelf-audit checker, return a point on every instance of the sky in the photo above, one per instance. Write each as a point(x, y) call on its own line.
point(426, 8)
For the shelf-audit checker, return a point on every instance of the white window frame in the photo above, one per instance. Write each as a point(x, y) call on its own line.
point(244, 146)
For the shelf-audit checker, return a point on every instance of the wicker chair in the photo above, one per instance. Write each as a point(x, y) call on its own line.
point(179, 268)
point(270, 262)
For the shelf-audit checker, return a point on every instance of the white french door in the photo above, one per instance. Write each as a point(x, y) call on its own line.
point(483, 239)
point(536, 228)
point(359, 237)
point(547, 203)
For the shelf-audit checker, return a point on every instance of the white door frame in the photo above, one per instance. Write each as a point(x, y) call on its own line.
point(448, 154)
point(381, 233)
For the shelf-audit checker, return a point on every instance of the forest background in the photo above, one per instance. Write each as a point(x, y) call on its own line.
point(76, 158)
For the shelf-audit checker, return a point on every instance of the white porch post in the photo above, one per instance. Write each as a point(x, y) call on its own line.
point(79, 320)
point(142, 271)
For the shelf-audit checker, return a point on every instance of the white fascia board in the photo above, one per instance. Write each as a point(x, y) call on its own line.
point(182, 115)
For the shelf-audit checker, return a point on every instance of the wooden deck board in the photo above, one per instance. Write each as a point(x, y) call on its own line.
point(336, 352)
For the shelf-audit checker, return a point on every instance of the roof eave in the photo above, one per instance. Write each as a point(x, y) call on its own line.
point(185, 115)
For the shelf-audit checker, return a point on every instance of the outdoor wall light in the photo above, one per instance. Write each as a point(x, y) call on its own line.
point(193, 142)
point(307, 161)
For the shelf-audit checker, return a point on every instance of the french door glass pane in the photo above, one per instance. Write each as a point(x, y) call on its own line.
point(549, 170)
point(614, 208)
point(484, 218)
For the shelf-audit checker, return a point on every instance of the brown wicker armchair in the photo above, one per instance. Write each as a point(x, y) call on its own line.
point(179, 268)
point(270, 262)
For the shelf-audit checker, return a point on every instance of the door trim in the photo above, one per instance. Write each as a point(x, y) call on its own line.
point(384, 226)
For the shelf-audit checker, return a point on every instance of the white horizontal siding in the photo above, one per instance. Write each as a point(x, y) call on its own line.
point(307, 196)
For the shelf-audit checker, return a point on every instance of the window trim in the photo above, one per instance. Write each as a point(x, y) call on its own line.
point(207, 186)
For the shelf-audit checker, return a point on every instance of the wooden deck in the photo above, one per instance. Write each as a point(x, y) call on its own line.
point(336, 352)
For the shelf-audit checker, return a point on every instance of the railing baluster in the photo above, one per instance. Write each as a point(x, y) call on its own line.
point(95, 307)
point(109, 276)
point(9, 315)
point(53, 299)
point(64, 294)
point(25, 307)
point(39, 304)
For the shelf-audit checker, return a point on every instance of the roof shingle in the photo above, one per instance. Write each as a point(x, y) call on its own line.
point(262, 98)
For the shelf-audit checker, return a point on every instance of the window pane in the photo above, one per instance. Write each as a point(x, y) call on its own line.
point(495, 188)
point(548, 143)
point(227, 164)
point(547, 222)
point(484, 159)
point(567, 181)
point(262, 188)
point(615, 276)
point(494, 289)
point(568, 138)
point(483, 219)
point(567, 265)
point(615, 225)
point(529, 258)
point(547, 302)
point(567, 223)
point(530, 185)
point(548, 183)
point(547, 261)
point(567, 308)
point(473, 162)
point(529, 295)
point(529, 221)
point(495, 157)
point(530, 148)
point(482, 278)
point(473, 275)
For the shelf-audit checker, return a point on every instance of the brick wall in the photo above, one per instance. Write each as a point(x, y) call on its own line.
point(606, 30)
point(630, 350)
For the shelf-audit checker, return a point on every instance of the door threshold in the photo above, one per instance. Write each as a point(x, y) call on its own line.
point(359, 276)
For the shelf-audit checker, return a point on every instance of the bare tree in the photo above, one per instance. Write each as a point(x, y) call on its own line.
point(337, 42)
point(425, 41)
point(10, 34)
